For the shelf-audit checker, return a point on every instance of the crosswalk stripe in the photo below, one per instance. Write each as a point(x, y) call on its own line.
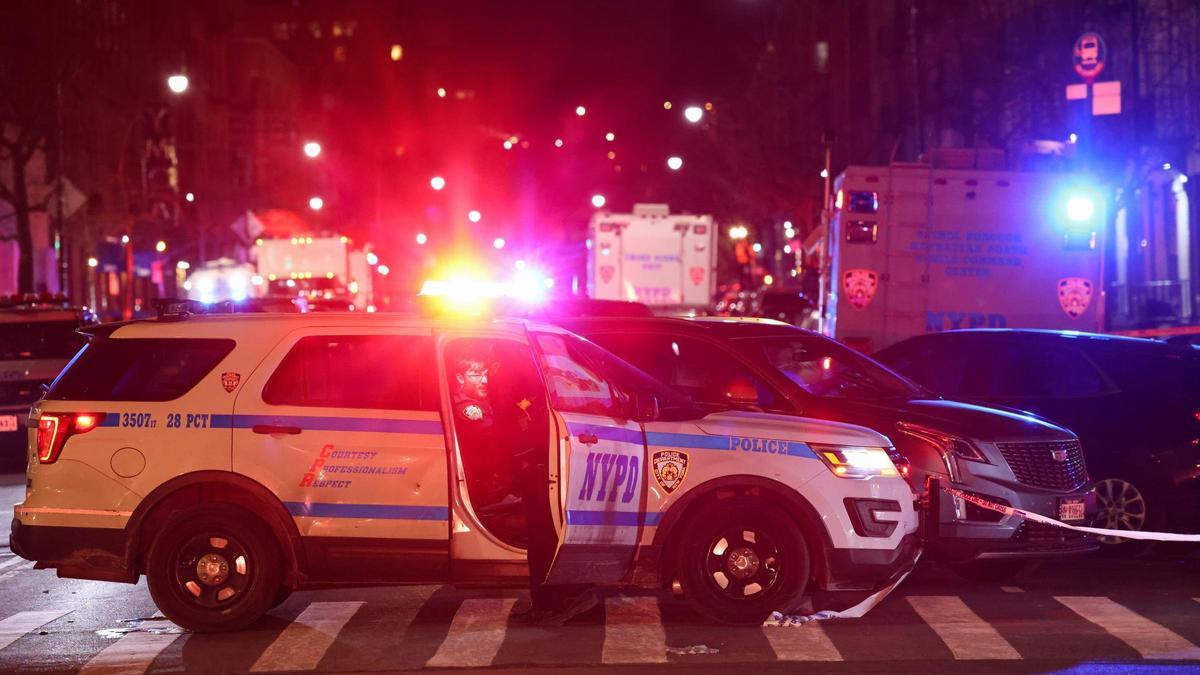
point(1150, 639)
point(476, 633)
point(1012, 589)
point(808, 642)
point(633, 631)
point(302, 644)
point(16, 570)
point(968, 636)
point(131, 654)
point(14, 560)
point(12, 628)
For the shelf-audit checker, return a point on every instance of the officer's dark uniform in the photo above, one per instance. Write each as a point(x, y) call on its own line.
point(475, 424)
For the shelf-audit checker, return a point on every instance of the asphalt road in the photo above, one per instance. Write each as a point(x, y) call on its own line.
point(1087, 614)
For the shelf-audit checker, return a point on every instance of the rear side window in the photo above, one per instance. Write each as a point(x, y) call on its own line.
point(938, 364)
point(139, 369)
point(386, 372)
point(1027, 368)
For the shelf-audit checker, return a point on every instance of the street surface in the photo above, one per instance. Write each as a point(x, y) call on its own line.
point(1091, 613)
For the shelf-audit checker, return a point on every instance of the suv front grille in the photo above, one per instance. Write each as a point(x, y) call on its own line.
point(1034, 464)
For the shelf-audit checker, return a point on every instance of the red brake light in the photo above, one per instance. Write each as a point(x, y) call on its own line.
point(54, 430)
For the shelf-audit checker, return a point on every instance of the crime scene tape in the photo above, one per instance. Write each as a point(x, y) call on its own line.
point(1125, 534)
point(781, 620)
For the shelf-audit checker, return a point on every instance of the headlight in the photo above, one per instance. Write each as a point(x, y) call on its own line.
point(850, 462)
point(948, 444)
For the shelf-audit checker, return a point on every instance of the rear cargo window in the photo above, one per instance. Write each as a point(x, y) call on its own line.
point(139, 369)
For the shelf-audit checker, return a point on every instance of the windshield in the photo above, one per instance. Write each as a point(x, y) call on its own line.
point(555, 347)
point(825, 368)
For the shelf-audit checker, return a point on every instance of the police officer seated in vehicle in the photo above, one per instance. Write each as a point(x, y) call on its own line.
point(484, 454)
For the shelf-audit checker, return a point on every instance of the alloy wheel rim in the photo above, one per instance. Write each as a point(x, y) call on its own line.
point(1120, 506)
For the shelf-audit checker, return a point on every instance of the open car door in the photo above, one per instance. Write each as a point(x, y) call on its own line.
point(597, 468)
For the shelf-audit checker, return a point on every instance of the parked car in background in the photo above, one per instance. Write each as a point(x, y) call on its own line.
point(37, 338)
point(788, 305)
point(1002, 456)
point(1134, 403)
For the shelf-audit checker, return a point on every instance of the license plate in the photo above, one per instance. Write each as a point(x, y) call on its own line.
point(1070, 509)
point(9, 423)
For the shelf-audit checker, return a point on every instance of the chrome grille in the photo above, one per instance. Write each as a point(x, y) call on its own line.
point(1033, 464)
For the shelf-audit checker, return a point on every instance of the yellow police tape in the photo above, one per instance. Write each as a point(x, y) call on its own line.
point(1124, 534)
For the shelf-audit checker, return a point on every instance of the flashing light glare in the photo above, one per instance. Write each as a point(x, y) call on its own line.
point(187, 285)
point(85, 422)
point(508, 145)
point(1072, 138)
point(580, 110)
point(837, 201)
point(666, 105)
point(827, 362)
point(437, 182)
point(371, 308)
point(598, 201)
point(421, 238)
point(312, 149)
point(124, 239)
point(757, 247)
point(1080, 208)
point(160, 246)
point(787, 225)
point(558, 142)
point(824, 173)
point(383, 269)
point(257, 280)
point(693, 113)
point(674, 163)
point(739, 232)
point(272, 277)
point(92, 262)
point(498, 243)
point(1167, 166)
point(787, 248)
point(183, 265)
point(177, 83)
point(441, 92)
point(344, 239)
point(191, 196)
point(474, 216)
point(610, 137)
point(329, 275)
point(372, 259)
point(316, 203)
point(768, 279)
point(397, 52)
point(549, 282)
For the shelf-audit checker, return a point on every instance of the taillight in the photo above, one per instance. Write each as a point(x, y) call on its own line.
point(53, 430)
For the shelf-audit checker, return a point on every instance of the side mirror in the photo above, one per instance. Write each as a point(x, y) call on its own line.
point(740, 392)
point(643, 407)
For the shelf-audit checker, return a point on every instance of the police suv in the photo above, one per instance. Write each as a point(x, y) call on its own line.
point(235, 458)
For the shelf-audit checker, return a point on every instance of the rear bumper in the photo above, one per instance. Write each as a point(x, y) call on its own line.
point(76, 552)
point(854, 569)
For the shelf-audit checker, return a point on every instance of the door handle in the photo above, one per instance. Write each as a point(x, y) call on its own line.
point(588, 439)
point(273, 429)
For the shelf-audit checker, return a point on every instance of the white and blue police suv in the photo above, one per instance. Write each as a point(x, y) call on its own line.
point(235, 458)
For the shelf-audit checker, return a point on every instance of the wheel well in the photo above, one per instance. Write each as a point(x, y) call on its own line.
point(677, 519)
point(192, 490)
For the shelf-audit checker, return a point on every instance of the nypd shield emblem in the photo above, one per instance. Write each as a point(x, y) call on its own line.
point(230, 381)
point(670, 468)
point(860, 287)
point(1074, 295)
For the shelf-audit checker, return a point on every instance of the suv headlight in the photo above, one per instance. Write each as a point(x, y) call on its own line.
point(951, 447)
point(854, 462)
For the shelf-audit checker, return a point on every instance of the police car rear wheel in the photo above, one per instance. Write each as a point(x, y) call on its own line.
point(741, 561)
point(214, 568)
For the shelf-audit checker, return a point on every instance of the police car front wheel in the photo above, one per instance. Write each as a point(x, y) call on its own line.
point(741, 561)
point(214, 568)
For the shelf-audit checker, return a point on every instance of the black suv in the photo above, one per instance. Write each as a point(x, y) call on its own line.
point(766, 365)
point(1134, 403)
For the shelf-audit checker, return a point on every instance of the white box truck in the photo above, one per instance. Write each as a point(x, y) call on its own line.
point(913, 249)
point(665, 261)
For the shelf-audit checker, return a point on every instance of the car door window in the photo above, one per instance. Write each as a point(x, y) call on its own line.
point(938, 364)
point(574, 384)
point(388, 372)
point(1030, 369)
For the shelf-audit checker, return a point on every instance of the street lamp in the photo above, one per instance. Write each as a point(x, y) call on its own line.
point(383, 270)
point(372, 258)
point(191, 196)
point(598, 201)
point(93, 263)
point(474, 216)
point(312, 149)
point(177, 83)
point(610, 137)
point(125, 239)
point(580, 110)
point(738, 232)
point(498, 243)
point(693, 113)
point(421, 239)
point(161, 246)
point(316, 203)
point(674, 163)
point(437, 182)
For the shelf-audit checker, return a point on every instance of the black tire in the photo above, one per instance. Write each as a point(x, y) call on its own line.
point(214, 568)
point(716, 547)
point(988, 571)
point(1124, 504)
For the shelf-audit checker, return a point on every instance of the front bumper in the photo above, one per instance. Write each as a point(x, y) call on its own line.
point(858, 569)
point(76, 552)
point(958, 531)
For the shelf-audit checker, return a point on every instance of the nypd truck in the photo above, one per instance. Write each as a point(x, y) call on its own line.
point(233, 459)
point(915, 249)
point(664, 261)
